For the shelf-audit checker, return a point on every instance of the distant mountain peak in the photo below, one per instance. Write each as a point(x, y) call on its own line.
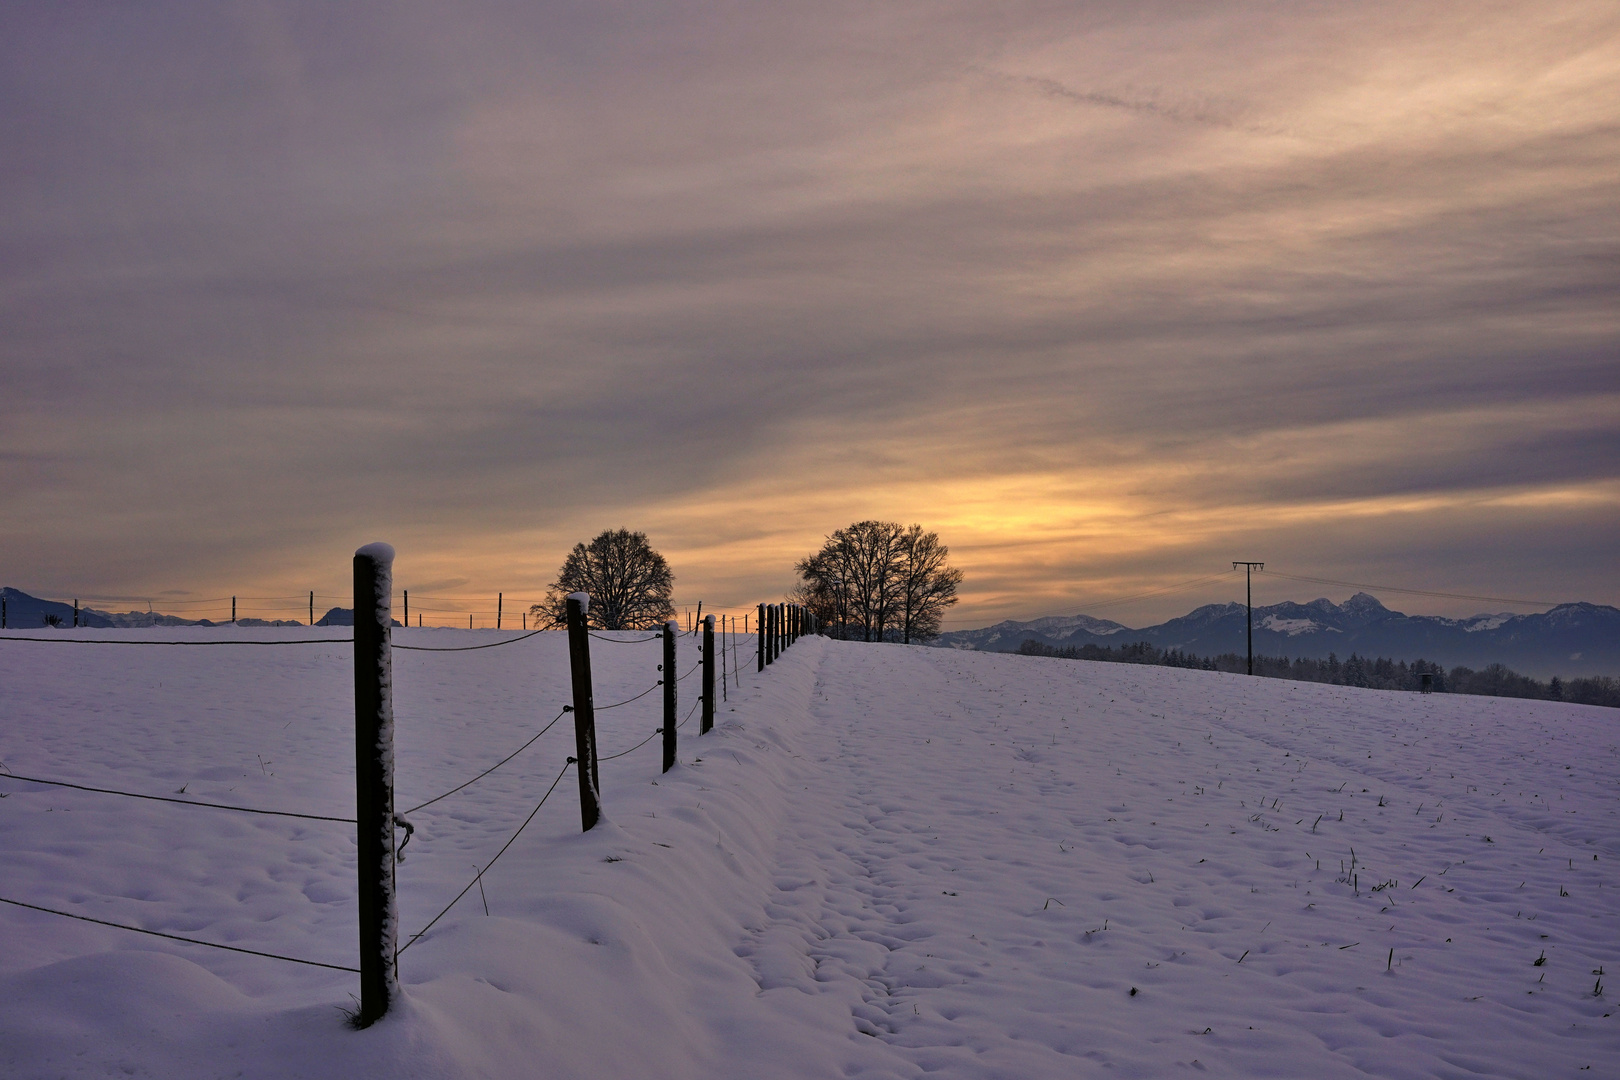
point(1574, 639)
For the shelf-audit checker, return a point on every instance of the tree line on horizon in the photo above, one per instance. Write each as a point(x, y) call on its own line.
point(1382, 673)
point(875, 580)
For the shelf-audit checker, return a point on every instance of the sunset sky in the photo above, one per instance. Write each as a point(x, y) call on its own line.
point(1109, 294)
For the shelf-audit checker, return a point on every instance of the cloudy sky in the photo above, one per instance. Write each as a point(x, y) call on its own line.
point(1109, 294)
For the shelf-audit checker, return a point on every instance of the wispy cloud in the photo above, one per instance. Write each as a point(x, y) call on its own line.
point(1336, 289)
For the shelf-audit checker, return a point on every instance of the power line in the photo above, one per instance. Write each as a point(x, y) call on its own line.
point(1414, 592)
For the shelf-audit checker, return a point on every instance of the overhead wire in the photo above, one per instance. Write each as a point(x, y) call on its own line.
point(1414, 592)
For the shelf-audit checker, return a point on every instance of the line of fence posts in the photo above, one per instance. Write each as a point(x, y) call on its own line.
point(375, 819)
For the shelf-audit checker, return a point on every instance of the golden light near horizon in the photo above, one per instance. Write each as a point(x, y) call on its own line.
point(1106, 296)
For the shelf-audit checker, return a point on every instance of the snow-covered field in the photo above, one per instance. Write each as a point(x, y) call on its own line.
point(886, 861)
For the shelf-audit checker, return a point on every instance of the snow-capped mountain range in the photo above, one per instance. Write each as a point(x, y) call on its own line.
point(1570, 640)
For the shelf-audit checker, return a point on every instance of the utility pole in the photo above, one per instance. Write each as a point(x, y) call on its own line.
point(1248, 579)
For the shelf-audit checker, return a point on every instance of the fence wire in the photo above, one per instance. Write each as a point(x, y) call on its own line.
point(101, 641)
point(626, 701)
point(493, 767)
point(479, 876)
point(467, 648)
point(172, 799)
point(638, 746)
point(177, 937)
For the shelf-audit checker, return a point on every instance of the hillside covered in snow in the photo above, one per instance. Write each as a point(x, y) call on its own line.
point(886, 861)
point(1569, 640)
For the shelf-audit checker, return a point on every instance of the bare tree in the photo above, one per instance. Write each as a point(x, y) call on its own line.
point(927, 584)
point(629, 584)
point(879, 579)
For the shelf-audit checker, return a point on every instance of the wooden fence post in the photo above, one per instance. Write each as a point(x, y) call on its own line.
point(671, 628)
point(579, 667)
point(708, 675)
point(374, 781)
point(759, 627)
point(725, 688)
point(312, 607)
point(499, 601)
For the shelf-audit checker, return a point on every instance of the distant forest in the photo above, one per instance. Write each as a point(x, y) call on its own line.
point(1383, 673)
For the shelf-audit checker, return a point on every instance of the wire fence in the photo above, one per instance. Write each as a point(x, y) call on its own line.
point(308, 608)
point(715, 658)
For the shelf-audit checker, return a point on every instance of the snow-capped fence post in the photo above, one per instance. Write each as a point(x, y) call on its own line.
point(671, 628)
point(579, 667)
point(708, 675)
point(374, 780)
point(759, 626)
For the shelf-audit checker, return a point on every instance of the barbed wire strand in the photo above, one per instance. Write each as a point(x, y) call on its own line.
point(177, 937)
point(493, 767)
point(491, 862)
point(172, 799)
point(469, 648)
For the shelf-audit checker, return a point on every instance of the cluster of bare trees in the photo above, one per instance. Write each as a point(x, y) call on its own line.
point(879, 581)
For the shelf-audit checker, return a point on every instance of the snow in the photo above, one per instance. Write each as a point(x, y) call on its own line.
point(1486, 622)
point(584, 601)
point(1291, 627)
point(381, 553)
point(885, 861)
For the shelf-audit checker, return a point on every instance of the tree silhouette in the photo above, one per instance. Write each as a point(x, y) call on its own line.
point(629, 584)
point(880, 580)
